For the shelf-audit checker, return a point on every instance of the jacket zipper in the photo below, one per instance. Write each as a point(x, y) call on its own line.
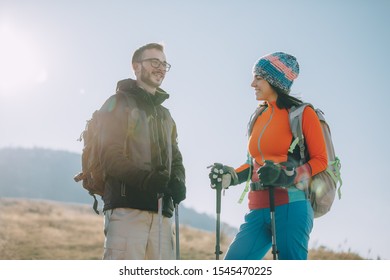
point(262, 132)
point(155, 131)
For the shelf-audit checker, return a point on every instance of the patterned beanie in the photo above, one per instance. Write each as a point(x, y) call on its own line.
point(279, 69)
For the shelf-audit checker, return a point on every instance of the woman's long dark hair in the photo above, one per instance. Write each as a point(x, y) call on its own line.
point(284, 100)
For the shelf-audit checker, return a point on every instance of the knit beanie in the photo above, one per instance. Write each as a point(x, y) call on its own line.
point(279, 69)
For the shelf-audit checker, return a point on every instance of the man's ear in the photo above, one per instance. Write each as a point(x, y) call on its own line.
point(136, 67)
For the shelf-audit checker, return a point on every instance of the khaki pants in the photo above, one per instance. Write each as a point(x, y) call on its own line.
point(132, 234)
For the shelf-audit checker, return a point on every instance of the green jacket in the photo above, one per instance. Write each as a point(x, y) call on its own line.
point(138, 135)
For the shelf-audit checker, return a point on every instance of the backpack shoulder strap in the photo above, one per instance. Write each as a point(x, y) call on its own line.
point(130, 100)
point(295, 118)
point(115, 99)
point(259, 110)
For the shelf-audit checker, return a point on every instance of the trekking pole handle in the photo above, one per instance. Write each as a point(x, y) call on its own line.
point(217, 175)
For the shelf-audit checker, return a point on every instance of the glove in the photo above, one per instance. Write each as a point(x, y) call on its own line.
point(271, 174)
point(177, 189)
point(222, 175)
point(157, 180)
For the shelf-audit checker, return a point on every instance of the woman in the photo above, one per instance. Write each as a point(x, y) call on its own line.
point(271, 164)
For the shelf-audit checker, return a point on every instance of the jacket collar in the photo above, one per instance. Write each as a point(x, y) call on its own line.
point(130, 86)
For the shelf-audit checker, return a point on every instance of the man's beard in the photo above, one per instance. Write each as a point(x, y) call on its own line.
point(147, 78)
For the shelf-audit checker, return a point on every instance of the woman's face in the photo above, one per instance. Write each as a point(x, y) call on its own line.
point(263, 90)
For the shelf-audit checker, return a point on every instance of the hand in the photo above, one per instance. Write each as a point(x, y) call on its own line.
point(157, 180)
point(222, 175)
point(178, 190)
point(282, 174)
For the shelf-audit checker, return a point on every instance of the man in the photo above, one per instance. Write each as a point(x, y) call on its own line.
point(142, 163)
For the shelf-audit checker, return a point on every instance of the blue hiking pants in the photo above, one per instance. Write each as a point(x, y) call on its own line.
point(294, 222)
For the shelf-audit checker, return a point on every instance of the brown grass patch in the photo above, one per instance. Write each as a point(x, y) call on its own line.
point(44, 230)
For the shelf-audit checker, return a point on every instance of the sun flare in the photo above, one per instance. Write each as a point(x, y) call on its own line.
point(21, 66)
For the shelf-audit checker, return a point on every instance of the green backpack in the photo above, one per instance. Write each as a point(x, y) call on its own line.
point(322, 186)
point(92, 174)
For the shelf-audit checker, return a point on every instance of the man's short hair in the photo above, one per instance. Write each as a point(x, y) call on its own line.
point(137, 56)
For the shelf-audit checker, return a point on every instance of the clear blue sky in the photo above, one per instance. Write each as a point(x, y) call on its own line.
point(59, 61)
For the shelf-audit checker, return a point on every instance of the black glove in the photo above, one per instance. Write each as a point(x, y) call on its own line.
point(222, 174)
point(177, 190)
point(157, 180)
point(282, 174)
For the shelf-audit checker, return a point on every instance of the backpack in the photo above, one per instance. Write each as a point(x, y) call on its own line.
point(92, 174)
point(322, 186)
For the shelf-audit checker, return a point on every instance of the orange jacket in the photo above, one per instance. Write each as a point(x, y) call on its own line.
point(271, 137)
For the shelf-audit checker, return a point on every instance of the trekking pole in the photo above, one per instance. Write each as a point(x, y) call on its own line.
point(217, 174)
point(177, 231)
point(271, 191)
point(160, 220)
point(218, 225)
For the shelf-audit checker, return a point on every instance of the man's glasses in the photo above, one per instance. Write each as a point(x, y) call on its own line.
point(156, 63)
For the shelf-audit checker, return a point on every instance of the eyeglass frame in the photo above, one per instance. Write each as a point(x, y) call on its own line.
point(154, 60)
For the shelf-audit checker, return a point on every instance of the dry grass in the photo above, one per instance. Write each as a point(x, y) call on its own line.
point(44, 230)
point(196, 244)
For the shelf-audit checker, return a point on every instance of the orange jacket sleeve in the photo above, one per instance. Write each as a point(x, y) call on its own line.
point(315, 142)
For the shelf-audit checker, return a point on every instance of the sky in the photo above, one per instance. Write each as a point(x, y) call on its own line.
point(60, 60)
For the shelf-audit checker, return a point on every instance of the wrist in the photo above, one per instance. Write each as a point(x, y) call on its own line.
point(233, 175)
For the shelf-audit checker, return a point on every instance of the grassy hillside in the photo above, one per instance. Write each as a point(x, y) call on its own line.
point(45, 230)
point(48, 174)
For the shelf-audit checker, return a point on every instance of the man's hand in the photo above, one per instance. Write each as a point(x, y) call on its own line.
point(177, 189)
point(157, 180)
